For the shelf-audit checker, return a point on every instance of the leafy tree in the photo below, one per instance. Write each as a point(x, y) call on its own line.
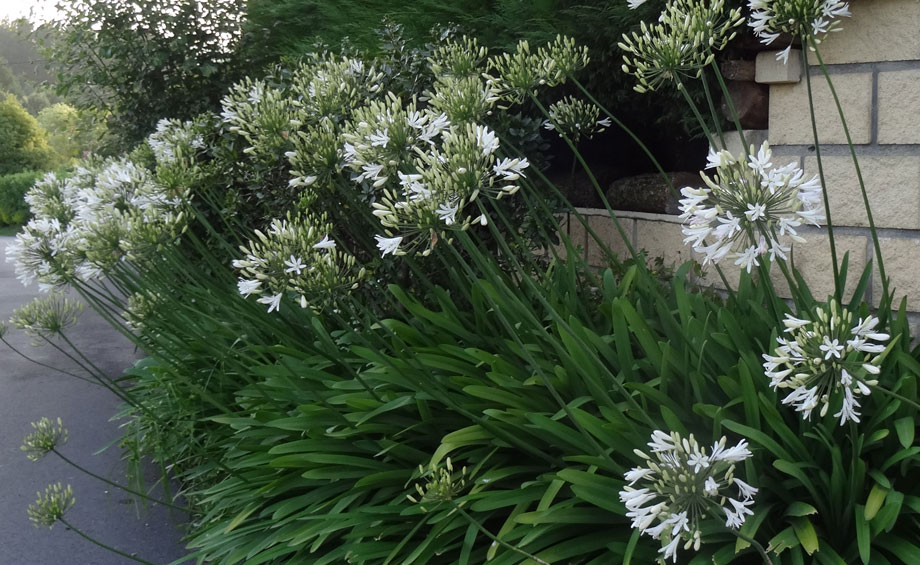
point(71, 132)
point(142, 60)
point(23, 145)
point(22, 69)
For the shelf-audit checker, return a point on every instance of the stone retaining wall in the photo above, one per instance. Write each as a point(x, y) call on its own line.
point(874, 63)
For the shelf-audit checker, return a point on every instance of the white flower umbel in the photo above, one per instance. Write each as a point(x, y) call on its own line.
point(574, 118)
point(826, 358)
point(682, 42)
point(514, 76)
point(296, 256)
point(798, 18)
point(750, 208)
point(450, 177)
point(682, 484)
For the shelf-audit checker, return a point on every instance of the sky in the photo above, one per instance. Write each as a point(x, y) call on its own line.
point(12, 9)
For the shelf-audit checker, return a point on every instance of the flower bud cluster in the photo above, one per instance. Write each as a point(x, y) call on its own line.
point(749, 209)
point(51, 505)
point(798, 18)
point(47, 435)
point(442, 485)
point(574, 118)
point(174, 142)
point(332, 87)
point(682, 484)
point(261, 114)
point(682, 42)
point(515, 76)
point(47, 316)
point(296, 257)
point(826, 355)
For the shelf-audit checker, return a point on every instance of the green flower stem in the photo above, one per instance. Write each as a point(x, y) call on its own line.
point(118, 486)
point(731, 103)
point(651, 157)
point(495, 538)
point(102, 545)
point(897, 396)
point(712, 110)
point(46, 366)
point(696, 112)
point(838, 290)
point(597, 187)
point(886, 296)
point(755, 544)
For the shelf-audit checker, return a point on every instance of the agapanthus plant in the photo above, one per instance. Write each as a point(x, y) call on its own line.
point(680, 43)
point(750, 208)
point(826, 357)
point(515, 76)
point(297, 256)
point(798, 18)
point(684, 484)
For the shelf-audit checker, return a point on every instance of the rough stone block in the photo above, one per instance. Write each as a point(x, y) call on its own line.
point(737, 69)
point(607, 232)
point(899, 107)
point(662, 239)
point(649, 192)
point(813, 261)
point(892, 182)
point(902, 265)
point(771, 71)
point(879, 30)
point(751, 102)
point(790, 121)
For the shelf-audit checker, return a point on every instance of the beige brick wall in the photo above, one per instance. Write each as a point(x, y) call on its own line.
point(879, 30)
point(899, 106)
point(790, 118)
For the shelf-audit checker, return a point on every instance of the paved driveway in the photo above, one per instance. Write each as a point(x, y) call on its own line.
point(29, 392)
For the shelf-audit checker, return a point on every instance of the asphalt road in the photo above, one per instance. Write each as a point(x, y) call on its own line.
point(29, 392)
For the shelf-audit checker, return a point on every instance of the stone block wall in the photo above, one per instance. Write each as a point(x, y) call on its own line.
point(874, 62)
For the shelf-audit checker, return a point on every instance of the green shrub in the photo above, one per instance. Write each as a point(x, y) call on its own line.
point(23, 146)
point(13, 189)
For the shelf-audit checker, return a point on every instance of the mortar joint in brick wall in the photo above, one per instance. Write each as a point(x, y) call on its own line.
point(873, 109)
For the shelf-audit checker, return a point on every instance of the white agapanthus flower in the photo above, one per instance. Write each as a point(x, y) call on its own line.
point(810, 18)
point(824, 356)
point(683, 483)
point(574, 118)
point(296, 257)
point(633, 4)
point(750, 208)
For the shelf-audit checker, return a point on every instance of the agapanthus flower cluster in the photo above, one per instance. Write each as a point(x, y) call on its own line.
point(331, 87)
point(175, 141)
point(296, 256)
point(442, 485)
point(826, 357)
point(383, 137)
point(681, 43)
point(750, 208)
point(462, 99)
point(47, 316)
point(51, 505)
point(47, 435)
point(444, 181)
point(262, 114)
point(458, 58)
point(798, 18)
point(515, 76)
point(683, 484)
point(84, 224)
point(574, 118)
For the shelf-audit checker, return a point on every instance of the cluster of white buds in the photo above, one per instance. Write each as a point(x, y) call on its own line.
point(749, 209)
point(458, 58)
point(574, 118)
point(681, 43)
point(442, 485)
point(47, 435)
point(798, 18)
point(826, 355)
point(682, 484)
point(261, 114)
point(296, 256)
point(47, 316)
point(331, 87)
point(515, 76)
point(51, 505)
point(175, 141)
point(446, 179)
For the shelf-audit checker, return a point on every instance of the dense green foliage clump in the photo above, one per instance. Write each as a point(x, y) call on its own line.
point(13, 188)
point(23, 145)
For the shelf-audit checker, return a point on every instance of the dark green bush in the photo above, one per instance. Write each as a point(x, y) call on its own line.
point(13, 188)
